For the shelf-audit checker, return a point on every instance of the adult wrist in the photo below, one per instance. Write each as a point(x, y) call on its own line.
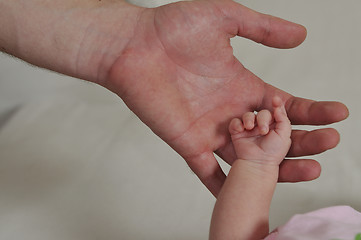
point(76, 38)
point(106, 37)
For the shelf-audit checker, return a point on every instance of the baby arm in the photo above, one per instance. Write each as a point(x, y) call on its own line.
point(261, 142)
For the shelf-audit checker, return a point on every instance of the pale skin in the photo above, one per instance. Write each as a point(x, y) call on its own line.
point(173, 66)
point(261, 142)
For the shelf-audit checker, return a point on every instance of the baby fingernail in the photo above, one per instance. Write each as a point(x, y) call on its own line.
point(264, 129)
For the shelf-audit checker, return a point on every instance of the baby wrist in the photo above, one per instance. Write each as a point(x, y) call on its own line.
point(258, 167)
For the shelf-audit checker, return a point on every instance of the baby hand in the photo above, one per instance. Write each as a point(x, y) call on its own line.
point(261, 137)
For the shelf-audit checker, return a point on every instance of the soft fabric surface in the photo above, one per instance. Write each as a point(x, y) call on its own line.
point(75, 163)
point(338, 222)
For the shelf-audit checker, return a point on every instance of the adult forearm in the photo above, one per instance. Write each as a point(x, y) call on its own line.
point(79, 38)
point(242, 208)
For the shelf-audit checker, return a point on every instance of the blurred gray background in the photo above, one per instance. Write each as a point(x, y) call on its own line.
point(75, 163)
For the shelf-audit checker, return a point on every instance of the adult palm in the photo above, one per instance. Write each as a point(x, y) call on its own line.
point(179, 75)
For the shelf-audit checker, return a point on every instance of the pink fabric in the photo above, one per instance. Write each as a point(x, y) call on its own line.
point(340, 222)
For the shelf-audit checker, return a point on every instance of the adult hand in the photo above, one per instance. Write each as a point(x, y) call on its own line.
point(179, 75)
point(174, 67)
